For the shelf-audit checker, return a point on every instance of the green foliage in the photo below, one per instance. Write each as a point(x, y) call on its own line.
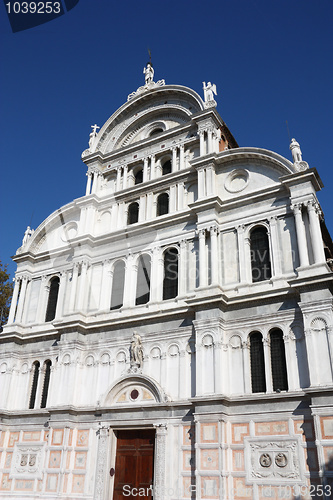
point(6, 291)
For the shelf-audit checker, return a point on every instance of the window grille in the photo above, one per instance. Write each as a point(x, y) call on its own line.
point(260, 259)
point(258, 378)
point(278, 361)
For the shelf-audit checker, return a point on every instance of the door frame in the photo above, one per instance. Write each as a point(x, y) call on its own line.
point(106, 458)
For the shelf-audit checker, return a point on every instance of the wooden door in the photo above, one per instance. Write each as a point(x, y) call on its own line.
point(134, 467)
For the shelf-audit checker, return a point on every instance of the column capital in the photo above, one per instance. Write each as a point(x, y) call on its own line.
point(272, 220)
point(296, 207)
point(202, 233)
point(240, 228)
point(182, 243)
point(214, 229)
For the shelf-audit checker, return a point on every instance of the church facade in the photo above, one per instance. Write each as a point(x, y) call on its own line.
point(171, 331)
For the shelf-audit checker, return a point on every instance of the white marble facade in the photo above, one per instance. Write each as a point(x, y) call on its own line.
point(166, 179)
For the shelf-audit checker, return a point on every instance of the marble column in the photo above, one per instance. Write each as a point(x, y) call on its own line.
point(89, 179)
point(312, 358)
point(275, 247)
point(210, 180)
point(182, 267)
point(21, 299)
point(82, 286)
point(202, 142)
point(201, 184)
point(145, 170)
point(94, 182)
point(290, 363)
point(74, 280)
point(301, 236)
point(152, 167)
point(268, 368)
point(181, 190)
point(247, 254)
point(241, 253)
point(142, 208)
point(125, 175)
point(315, 232)
point(181, 157)
point(160, 463)
point(174, 159)
point(246, 366)
point(118, 182)
point(155, 282)
point(172, 204)
point(203, 274)
point(129, 284)
point(106, 287)
point(101, 463)
point(42, 299)
point(61, 295)
point(215, 272)
point(13, 304)
point(210, 141)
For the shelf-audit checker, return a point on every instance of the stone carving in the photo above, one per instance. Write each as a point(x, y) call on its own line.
point(265, 460)
point(101, 463)
point(27, 461)
point(92, 135)
point(161, 432)
point(148, 71)
point(273, 460)
point(281, 460)
point(296, 152)
point(27, 235)
point(209, 91)
point(136, 352)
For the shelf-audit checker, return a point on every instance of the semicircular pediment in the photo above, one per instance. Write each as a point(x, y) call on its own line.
point(135, 389)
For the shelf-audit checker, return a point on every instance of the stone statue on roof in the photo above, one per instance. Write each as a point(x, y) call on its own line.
point(209, 91)
point(149, 73)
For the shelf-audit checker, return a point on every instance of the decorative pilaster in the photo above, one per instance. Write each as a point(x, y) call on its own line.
point(83, 286)
point(106, 287)
point(312, 358)
point(315, 232)
point(289, 362)
point(247, 367)
point(172, 205)
point(210, 141)
point(268, 368)
point(21, 300)
point(160, 445)
point(301, 236)
point(181, 157)
point(201, 184)
point(202, 142)
point(41, 305)
point(129, 282)
point(156, 281)
point(13, 304)
point(182, 267)
point(118, 181)
point(125, 175)
point(203, 274)
point(275, 250)
point(61, 295)
point(145, 170)
point(101, 472)
point(73, 286)
point(89, 179)
point(215, 272)
point(181, 190)
point(241, 253)
point(152, 167)
point(174, 159)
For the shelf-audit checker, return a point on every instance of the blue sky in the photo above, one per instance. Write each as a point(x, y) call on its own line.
point(270, 60)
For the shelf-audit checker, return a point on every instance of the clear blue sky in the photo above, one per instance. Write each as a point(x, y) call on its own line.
point(271, 61)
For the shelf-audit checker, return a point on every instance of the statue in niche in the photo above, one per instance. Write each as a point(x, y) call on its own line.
point(209, 91)
point(136, 352)
point(27, 235)
point(149, 73)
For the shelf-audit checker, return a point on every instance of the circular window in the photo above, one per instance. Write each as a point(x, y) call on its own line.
point(237, 181)
point(134, 394)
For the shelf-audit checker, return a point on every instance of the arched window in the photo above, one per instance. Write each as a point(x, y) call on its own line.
point(166, 167)
point(53, 299)
point(163, 204)
point(258, 378)
point(143, 280)
point(138, 176)
point(170, 280)
point(133, 213)
point(260, 259)
point(117, 293)
point(47, 368)
point(278, 361)
point(34, 385)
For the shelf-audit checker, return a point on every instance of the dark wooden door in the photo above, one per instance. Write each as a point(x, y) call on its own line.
point(134, 467)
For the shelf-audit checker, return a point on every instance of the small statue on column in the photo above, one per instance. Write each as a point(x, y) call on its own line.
point(209, 91)
point(93, 134)
point(136, 352)
point(149, 73)
point(27, 235)
point(297, 156)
